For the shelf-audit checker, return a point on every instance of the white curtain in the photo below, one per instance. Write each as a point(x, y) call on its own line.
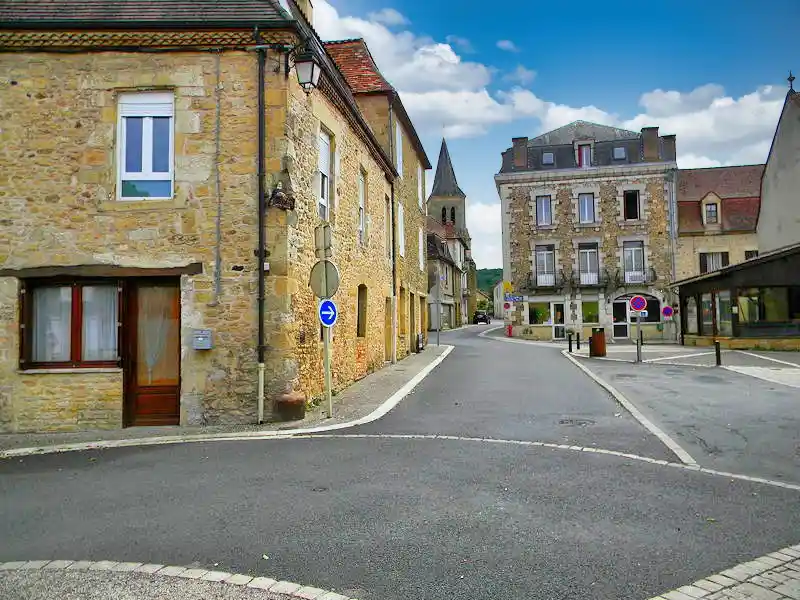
point(52, 317)
point(155, 326)
point(100, 323)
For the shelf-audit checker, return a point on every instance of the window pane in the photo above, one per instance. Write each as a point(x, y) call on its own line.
point(707, 315)
point(586, 203)
point(158, 335)
point(539, 313)
point(52, 318)
point(147, 189)
point(724, 313)
point(161, 130)
point(691, 315)
point(99, 328)
point(133, 144)
point(591, 311)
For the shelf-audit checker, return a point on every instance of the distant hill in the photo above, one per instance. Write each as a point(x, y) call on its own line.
point(488, 278)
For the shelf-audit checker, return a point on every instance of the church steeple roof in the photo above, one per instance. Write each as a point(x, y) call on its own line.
point(445, 184)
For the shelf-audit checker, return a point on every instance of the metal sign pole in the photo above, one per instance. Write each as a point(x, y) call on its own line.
point(638, 336)
point(326, 359)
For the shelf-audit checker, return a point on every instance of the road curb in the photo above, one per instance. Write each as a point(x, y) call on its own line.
point(484, 334)
point(266, 584)
point(376, 414)
point(676, 449)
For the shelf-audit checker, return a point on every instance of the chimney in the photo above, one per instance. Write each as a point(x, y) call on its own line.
point(520, 152)
point(307, 9)
point(668, 148)
point(650, 143)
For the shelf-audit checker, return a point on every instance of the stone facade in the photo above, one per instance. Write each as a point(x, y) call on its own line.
point(564, 301)
point(59, 190)
point(690, 247)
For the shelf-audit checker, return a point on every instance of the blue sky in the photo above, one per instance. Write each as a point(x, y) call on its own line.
point(711, 72)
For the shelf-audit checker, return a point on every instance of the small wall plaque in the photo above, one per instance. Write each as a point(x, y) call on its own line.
point(201, 339)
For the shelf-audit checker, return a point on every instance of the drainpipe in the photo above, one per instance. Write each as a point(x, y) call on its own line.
point(218, 220)
point(672, 185)
point(394, 225)
point(262, 209)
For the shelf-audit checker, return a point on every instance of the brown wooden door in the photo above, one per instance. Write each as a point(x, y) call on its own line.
point(152, 366)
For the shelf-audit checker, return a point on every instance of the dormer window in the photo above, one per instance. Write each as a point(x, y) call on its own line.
point(547, 158)
point(585, 156)
point(712, 213)
point(619, 153)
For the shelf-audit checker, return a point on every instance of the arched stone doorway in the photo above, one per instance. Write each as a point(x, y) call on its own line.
point(622, 319)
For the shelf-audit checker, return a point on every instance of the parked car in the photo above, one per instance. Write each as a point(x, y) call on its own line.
point(481, 316)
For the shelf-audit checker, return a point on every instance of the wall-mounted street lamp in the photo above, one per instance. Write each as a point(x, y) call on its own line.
point(308, 69)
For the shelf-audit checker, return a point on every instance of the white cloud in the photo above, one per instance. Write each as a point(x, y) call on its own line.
point(485, 229)
point(445, 93)
point(462, 43)
point(388, 16)
point(507, 45)
point(521, 75)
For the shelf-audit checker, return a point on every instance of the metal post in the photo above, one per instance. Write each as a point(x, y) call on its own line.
point(577, 341)
point(717, 353)
point(439, 302)
point(326, 349)
point(638, 337)
point(569, 341)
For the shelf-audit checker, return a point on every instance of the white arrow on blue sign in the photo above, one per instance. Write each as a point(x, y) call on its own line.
point(328, 313)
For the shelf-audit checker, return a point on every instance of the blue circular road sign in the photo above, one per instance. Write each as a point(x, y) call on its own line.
point(328, 313)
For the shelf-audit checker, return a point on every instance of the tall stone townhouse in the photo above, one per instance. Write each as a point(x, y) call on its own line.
point(717, 216)
point(588, 221)
point(384, 111)
point(447, 206)
point(442, 274)
point(163, 168)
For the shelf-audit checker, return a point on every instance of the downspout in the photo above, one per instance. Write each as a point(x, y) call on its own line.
point(394, 225)
point(262, 209)
point(673, 235)
point(218, 223)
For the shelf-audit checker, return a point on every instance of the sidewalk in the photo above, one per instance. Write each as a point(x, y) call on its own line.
point(365, 400)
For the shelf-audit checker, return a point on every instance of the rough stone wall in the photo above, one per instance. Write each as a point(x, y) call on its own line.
point(58, 198)
point(609, 232)
point(412, 278)
point(689, 248)
point(368, 263)
point(375, 109)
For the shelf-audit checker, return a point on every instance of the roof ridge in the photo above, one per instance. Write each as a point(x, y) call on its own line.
point(344, 41)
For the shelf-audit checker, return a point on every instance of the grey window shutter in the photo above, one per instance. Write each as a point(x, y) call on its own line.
point(703, 263)
point(725, 259)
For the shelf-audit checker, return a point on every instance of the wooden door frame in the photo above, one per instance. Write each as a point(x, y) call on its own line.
point(129, 344)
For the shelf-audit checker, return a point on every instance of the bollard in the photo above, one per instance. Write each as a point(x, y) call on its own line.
point(717, 353)
point(641, 337)
point(578, 341)
point(569, 341)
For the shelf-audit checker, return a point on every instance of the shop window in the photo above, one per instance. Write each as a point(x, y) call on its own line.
point(539, 313)
point(591, 311)
point(707, 314)
point(691, 316)
point(724, 313)
point(71, 324)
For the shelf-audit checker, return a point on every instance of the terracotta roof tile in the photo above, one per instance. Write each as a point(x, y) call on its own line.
point(357, 65)
point(725, 182)
point(39, 13)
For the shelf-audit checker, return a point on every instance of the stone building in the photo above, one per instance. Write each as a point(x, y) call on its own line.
point(717, 217)
point(588, 221)
point(442, 274)
point(133, 287)
point(384, 111)
point(447, 206)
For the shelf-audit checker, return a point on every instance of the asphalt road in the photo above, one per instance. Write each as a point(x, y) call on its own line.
point(410, 517)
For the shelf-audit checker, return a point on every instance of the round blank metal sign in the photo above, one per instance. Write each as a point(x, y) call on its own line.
point(324, 280)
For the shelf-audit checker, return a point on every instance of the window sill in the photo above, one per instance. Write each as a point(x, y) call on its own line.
point(69, 370)
point(140, 205)
point(596, 225)
point(546, 227)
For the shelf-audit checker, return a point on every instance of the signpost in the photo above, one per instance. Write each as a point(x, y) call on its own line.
point(638, 305)
point(324, 282)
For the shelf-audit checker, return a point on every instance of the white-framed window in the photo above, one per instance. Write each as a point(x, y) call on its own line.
point(398, 148)
point(585, 156)
point(619, 153)
point(631, 205)
point(421, 250)
point(324, 192)
point(387, 221)
point(401, 229)
point(544, 210)
point(633, 258)
point(711, 261)
point(588, 265)
point(420, 186)
point(362, 206)
point(586, 208)
point(712, 213)
point(545, 265)
point(146, 146)
point(548, 158)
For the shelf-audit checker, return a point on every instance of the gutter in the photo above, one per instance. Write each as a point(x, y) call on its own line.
point(394, 251)
point(262, 209)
